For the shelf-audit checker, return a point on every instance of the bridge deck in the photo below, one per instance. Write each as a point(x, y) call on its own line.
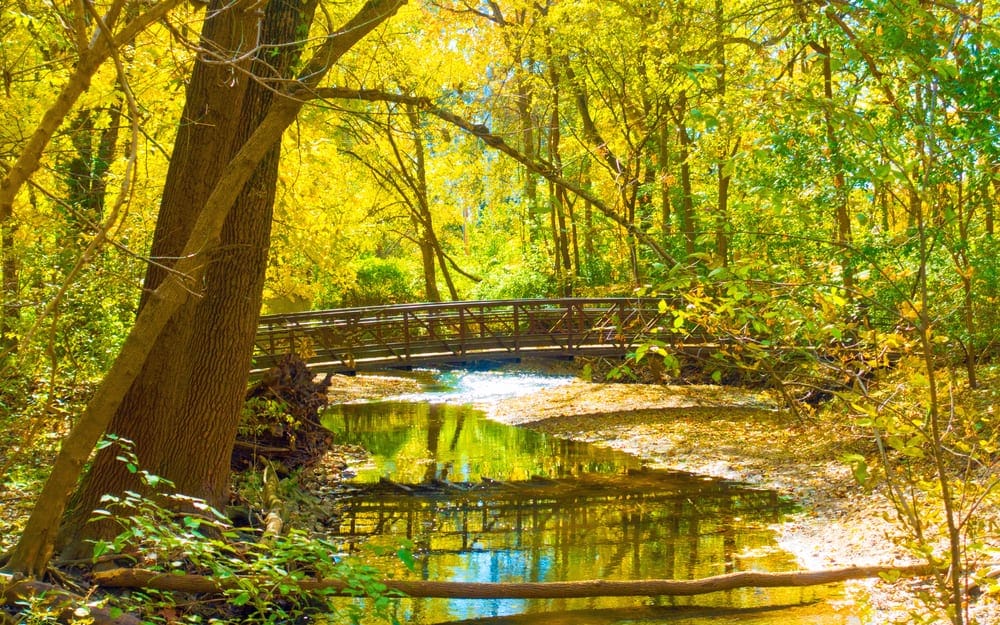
point(379, 337)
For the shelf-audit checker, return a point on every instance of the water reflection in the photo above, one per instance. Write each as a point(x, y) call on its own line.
point(417, 442)
point(492, 503)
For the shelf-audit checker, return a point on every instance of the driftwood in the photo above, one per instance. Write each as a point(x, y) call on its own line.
point(140, 578)
point(273, 521)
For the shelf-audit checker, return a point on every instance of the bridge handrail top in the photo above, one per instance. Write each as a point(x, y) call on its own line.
point(364, 310)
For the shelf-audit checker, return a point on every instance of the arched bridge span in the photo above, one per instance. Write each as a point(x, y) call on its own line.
point(454, 333)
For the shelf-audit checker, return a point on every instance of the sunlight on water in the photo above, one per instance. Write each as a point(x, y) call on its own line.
point(479, 387)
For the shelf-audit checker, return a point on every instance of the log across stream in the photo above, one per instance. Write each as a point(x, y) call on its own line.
point(488, 503)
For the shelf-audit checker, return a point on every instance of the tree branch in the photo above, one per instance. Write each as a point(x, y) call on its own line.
point(544, 169)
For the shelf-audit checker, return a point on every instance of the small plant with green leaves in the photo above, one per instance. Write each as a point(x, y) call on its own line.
point(179, 535)
point(263, 415)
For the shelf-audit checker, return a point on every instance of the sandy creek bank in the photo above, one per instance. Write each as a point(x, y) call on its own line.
point(734, 434)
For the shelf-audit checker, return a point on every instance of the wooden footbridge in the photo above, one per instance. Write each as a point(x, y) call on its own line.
point(457, 333)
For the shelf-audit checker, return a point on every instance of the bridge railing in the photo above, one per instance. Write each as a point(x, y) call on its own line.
point(350, 339)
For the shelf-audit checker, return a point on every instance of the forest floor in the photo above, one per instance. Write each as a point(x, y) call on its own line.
point(741, 435)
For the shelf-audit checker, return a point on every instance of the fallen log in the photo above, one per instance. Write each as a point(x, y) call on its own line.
point(141, 578)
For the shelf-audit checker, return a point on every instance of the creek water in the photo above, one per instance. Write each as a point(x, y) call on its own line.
point(486, 502)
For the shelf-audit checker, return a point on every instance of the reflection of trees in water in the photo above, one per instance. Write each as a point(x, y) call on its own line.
point(413, 442)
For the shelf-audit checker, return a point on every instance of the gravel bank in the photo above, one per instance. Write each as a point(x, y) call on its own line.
point(744, 435)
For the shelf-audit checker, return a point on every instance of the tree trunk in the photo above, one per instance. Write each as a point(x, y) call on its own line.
point(165, 390)
point(992, 201)
point(183, 410)
point(11, 296)
point(428, 262)
point(842, 217)
point(687, 195)
point(666, 216)
point(523, 101)
point(724, 171)
point(429, 243)
point(422, 220)
point(36, 543)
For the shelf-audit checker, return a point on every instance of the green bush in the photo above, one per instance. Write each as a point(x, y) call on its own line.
point(179, 535)
point(380, 281)
point(523, 281)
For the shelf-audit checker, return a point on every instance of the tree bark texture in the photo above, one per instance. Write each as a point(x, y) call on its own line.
point(183, 410)
point(35, 546)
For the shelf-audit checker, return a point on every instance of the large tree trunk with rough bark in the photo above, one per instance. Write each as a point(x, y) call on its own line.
point(35, 546)
point(183, 409)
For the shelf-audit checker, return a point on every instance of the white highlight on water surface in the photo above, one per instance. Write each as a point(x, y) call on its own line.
point(479, 387)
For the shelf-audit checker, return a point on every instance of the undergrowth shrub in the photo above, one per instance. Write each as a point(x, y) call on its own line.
point(180, 535)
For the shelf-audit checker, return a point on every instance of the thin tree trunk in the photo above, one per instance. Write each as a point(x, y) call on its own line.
point(424, 220)
point(687, 195)
point(724, 172)
point(992, 201)
point(842, 217)
point(666, 216)
point(11, 297)
point(428, 261)
point(428, 236)
point(523, 101)
point(573, 233)
point(443, 262)
point(557, 195)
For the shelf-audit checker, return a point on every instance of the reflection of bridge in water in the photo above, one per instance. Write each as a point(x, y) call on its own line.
point(630, 525)
point(555, 510)
point(405, 335)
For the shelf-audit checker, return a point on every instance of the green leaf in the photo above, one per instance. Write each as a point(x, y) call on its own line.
point(100, 548)
point(859, 467)
point(406, 557)
point(240, 599)
point(890, 576)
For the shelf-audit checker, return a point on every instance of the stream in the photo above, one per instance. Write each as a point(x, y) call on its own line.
point(487, 502)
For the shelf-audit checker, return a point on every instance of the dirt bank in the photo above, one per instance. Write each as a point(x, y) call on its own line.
point(745, 435)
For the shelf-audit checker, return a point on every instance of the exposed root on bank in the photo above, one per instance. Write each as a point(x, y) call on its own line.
point(281, 422)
